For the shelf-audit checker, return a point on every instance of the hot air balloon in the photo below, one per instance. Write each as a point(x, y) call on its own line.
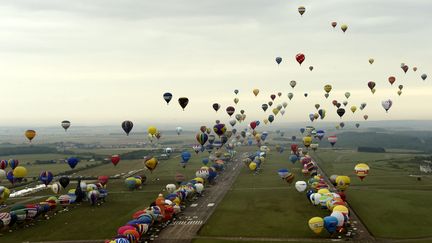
point(344, 27)
point(167, 97)
point(293, 83)
point(342, 182)
point(3, 164)
point(151, 130)
point(311, 68)
point(65, 124)
point(327, 88)
point(127, 127)
point(115, 159)
point(230, 110)
point(332, 140)
point(405, 68)
point(300, 186)
point(365, 117)
point(353, 108)
point(334, 24)
point(64, 181)
point(151, 163)
point(236, 91)
point(264, 107)
point(46, 177)
point(361, 170)
point(307, 141)
point(72, 161)
point(30, 134)
point(340, 112)
point(330, 224)
point(424, 76)
point(391, 79)
point(236, 100)
point(219, 129)
point(322, 113)
point(255, 92)
point(371, 60)
point(185, 158)
point(202, 138)
point(216, 106)
point(13, 163)
point(290, 95)
point(371, 86)
point(183, 102)
point(278, 60)
point(300, 57)
point(387, 104)
point(20, 172)
point(270, 118)
point(347, 94)
point(316, 224)
point(301, 10)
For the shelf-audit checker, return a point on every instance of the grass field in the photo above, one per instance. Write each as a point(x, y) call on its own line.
point(390, 202)
point(101, 222)
point(264, 205)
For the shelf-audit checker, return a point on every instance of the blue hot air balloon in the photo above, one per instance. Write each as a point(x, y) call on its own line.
point(330, 224)
point(46, 177)
point(72, 161)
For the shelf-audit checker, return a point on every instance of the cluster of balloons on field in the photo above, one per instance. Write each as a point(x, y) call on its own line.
point(20, 214)
point(164, 208)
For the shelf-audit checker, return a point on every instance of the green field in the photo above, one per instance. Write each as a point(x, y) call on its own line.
point(87, 222)
point(390, 202)
point(264, 205)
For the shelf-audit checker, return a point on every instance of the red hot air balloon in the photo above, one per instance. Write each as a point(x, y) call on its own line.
point(115, 159)
point(334, 24)
point(300, 58)
point(253, 125)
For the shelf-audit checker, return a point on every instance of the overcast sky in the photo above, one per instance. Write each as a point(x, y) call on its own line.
point(105, 61)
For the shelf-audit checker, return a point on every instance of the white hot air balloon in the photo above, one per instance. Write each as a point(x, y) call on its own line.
point(387, 104)
point(300, 186)
point(170, 188)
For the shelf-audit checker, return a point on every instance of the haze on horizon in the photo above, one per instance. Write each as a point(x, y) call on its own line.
point(105, 61)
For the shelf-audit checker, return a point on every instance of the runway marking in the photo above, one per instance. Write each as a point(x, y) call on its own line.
point(210, 205)
point(194, 205)
point(193, 222)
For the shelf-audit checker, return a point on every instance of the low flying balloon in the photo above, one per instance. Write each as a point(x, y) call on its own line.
point(278, 60)
point(65, 124)
point(361, 170)
point(387, 104)
point(20, 172)
point(64, 181)
point(183, 102)
point(167, 97)
point(127, 127)
point(30, 134)
point(202, 138)
point(300, 57)
point(72, 161)
point(46, 177)
point(180, 129)
point(332, 140)
point(115, 159)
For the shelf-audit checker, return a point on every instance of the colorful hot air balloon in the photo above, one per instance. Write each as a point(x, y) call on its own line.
point(230, 110)
point(183, 102)
point(342, 182)
point(3, 164)
point(332, 140)
point(202, 138)
point(278, 60)
point(46, 177)
point(361, 170)
point(65, 124)
point(300, 57)
point(219, 129)
point(115, 159)
point(167, 97)
point(30, 134)
point(316, 224)
point(127, 127)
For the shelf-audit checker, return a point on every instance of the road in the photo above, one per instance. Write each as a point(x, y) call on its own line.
point(196, 215)
point(362, 232)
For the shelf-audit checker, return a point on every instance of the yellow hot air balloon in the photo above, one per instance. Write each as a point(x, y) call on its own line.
point(342, 182)
point(4, 194)
point(252, 166)
point(323, 191)
point(341, 208)
point(361, 170)
point(265, 121)
point(399, 92)
point(373, 90)
point(371, 60)
point(327, 88)
point(344, 27)
point(152, 130)
point(20, 172)
point(255, 92)
point(307, 141)
point(353, 108)
point(316, 224)
point(30, 134)
point(258, 137)
point(275, 111)
point(151, 163)
point(236, 100)
point(316, 116)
